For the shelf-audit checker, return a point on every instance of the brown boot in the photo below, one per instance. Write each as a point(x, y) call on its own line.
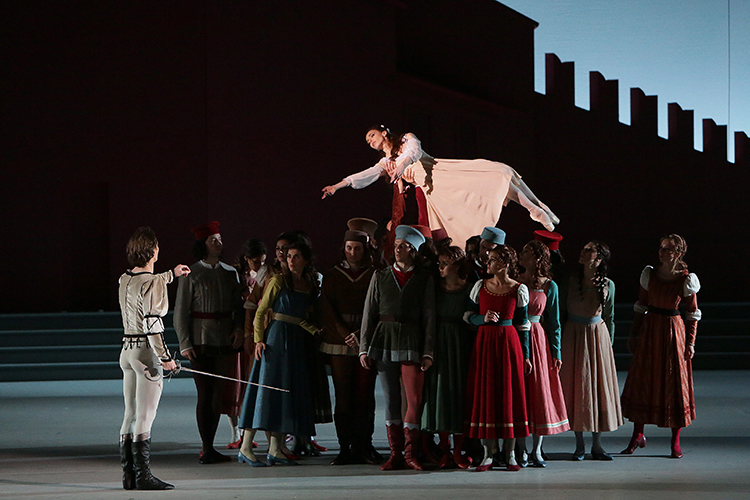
point(396, 442)
point(410, 448)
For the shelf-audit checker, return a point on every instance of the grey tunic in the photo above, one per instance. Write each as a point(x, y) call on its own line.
point(208, 306)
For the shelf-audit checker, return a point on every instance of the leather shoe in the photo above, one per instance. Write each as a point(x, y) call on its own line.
point(639, 442)
point(484, 468)
point(279, 461)
point(533, 462)
point(212, 457)
point(601, 455)
point(577, 456)
point(344, 457)
point(241, 458)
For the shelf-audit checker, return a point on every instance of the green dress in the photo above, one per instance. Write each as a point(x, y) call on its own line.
point(445, 381)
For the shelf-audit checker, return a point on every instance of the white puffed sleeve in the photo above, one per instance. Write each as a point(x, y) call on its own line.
point(411, 149)
point(366, 177)
point(645, 276)
point(522, 301)
point(694, 315)
point(523, 296)
point(692, 285)
point(474, 294)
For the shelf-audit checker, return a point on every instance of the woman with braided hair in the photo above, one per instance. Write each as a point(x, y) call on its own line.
point(659, 387)
point(588, 374)
point(455, 195)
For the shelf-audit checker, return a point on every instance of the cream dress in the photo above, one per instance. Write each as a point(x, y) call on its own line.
point(463, 196)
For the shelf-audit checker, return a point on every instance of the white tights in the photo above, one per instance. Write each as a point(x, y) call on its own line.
point(141, 388)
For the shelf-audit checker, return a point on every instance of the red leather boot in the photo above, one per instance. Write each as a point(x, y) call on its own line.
point(410, 449)
point(396, 442)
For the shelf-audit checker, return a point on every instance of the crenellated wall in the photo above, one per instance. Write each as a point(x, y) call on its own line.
point(172, 114)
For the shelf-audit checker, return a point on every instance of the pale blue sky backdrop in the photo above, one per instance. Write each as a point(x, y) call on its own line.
point(692, 52)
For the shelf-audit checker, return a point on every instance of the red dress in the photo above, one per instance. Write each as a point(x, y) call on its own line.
point(659, 387)
point(495, 393)
point(544, 395)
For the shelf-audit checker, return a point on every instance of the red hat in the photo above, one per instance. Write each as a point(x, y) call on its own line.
point(206, 230)
point(424, 230)
point(552, 240)
point(439, 234)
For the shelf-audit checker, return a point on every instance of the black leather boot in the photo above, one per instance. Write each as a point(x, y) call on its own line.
point(343, 433)
point(126, 460)
point(143, 478)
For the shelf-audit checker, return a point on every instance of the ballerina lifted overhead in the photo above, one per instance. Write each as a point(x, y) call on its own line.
point(456, 195)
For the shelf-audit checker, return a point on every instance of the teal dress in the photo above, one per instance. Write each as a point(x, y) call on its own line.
point(445, 381)
point(284, 364)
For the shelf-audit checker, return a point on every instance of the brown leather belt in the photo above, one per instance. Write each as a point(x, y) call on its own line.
point(216, 315)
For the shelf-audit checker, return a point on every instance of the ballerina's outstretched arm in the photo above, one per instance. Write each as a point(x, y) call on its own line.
point(359, 180)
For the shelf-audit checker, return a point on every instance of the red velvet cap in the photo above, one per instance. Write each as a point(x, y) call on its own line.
point(426, 232)
point(206, 230)
point(552, 240)
point(439, 235)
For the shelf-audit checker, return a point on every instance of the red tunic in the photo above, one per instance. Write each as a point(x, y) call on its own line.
point(495, 394)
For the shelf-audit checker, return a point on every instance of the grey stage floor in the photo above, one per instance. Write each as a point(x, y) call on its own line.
point(59, 440)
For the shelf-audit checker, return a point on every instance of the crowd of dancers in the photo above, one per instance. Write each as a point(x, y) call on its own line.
point(478, 344)
point(475, 342)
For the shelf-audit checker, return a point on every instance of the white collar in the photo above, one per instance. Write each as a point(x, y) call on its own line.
point(396, 268)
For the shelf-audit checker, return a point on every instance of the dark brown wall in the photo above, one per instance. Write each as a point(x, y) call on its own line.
point(171, 114)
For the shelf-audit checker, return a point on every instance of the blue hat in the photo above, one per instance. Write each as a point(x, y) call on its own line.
point(493, 235)
point(410, 235)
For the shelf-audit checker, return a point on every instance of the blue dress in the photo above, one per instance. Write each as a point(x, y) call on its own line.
point(283, 365)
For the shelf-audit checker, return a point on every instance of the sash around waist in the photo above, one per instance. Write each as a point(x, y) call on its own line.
point(286, 318)
point(502, 322)
point(585, 320)
point(534, 318)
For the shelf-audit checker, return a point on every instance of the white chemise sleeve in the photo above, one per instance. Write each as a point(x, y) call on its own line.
point(474, 296)
point(692, 286)
point(645, 277)
point(366, 177)
point(522, 300)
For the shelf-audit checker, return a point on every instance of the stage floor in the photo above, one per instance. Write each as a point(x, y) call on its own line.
point(59, 440)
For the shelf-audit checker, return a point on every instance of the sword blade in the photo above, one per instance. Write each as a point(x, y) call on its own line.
point(182, 368)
